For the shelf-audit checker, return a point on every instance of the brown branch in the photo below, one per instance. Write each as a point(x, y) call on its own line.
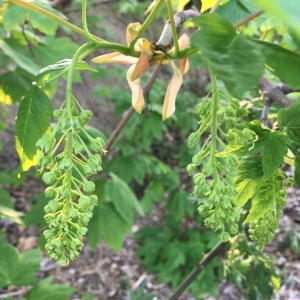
point(204, 262)
point(273, 93)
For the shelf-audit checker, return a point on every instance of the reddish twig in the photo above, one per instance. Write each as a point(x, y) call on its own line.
point(246, 20)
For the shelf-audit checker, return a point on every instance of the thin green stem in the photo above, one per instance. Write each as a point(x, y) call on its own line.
point(54, 77)
point(173, 26)
point(215, 100)
point(147, 22)
point(85, 28)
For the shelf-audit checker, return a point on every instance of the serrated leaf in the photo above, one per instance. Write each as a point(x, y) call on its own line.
point(250, 176)
point(107, 223)
point(35, 216)
point(154, 192)
point(81, 65)
point(178, 204)
point(274, 152)
point(263, 200)
point(32, 122)
point(124, 200)
point(288, 118)
point(43, 290)
point(14, 16)
point(18, 269)
point(226, 52)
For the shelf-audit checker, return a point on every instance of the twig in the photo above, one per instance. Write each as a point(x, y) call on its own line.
point(246, 20)
point(277, 93)
point(215, 7)
point(265, 113)
point(179, 19)
point(204, 262)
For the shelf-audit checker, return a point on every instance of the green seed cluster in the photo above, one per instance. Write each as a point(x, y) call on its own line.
point(70, 209)
point(219, 210)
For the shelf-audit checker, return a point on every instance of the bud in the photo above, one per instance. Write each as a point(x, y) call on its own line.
point(50, 192)
point(73, 213)
point(66, 123)
point(97, 144)
point(65, 164)
point(78, 148)
point(89, 187)
point(45, 143)
point(193, 139)
point(84, 200)
point(94, 199)
point(48, 178)
point(224, 236)
point(53, 204)
point(45, 161)
point(63, 261)
point(197, 159)
point(57, 114)
point(48, 234)
point(86, 115)
point(82, 230)
point(87, 169)
point(74, 194)
point(95, 160)
point(191, 168)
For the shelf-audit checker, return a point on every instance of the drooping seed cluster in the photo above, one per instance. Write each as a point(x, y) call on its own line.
point(219, 210)
point(70, 209)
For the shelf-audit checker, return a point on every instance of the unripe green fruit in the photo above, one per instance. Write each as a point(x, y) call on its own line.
point(86, 115)
point(45, 161)
point(193, 140)
point(197, 159)
point(191, 168)
point(48, 178)
point(50, 192)
point(97, 145)
point(65, 164)
point(89, 187)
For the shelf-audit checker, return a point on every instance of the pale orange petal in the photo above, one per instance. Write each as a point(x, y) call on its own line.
point(140, 66)
point(183, 41)
point(173, 88)
point(132, 32)
point(184, 65)
point(115, 57)
point(136, 90)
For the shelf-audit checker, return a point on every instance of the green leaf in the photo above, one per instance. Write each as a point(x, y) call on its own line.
point(43, 290)
point(227, 52)
point(54, 49)
point(274, 152)
point(124, 200)
point(81, 65)
point(5, 178)
point(20, 59)
point(35, 216)
point(88, 296)
point(6, 199)
point(14, 16)
point(8, 82)
point(250, 176)
point(32, 122)
point(178, 204)
point(263, 200)
point(286, 11)
point(10, 214)
point(233, 11)
point(297, 170)
point(154, 192)
point(18, 269)
point(107, 223)
point(288, 118)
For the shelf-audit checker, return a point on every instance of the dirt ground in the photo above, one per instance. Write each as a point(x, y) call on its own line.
point(104, 272)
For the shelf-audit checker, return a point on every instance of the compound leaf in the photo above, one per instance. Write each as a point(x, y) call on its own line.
point(108, 224)
point(32, 122)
